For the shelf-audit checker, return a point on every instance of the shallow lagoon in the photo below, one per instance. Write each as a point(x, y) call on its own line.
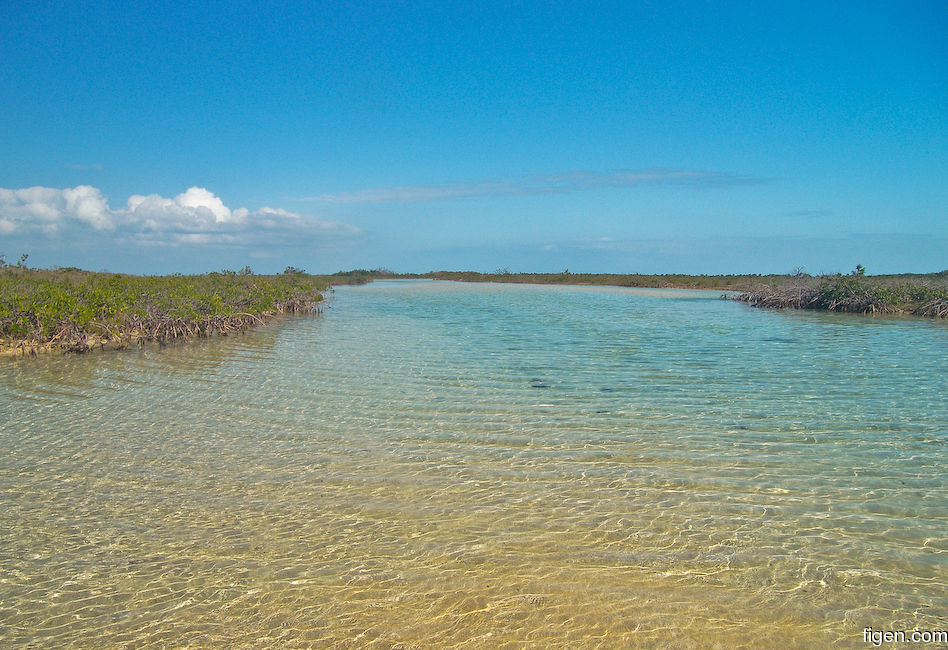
point(436, 464)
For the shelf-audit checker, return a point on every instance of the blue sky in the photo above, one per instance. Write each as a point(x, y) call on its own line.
point(648, 137)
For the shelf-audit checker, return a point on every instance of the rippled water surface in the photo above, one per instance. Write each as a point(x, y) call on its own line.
point(451, 465)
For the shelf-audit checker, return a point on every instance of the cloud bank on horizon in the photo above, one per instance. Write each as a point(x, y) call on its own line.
point(196, 216)
point(561, 183)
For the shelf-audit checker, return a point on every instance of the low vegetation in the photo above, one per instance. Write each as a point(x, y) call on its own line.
point(918, 295)
point(362, 276)
point(666, 281)
point(75, 310)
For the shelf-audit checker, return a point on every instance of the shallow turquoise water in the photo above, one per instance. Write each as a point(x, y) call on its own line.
point(434, 465)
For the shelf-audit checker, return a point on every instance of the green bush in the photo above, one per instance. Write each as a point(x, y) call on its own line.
point(40, 305)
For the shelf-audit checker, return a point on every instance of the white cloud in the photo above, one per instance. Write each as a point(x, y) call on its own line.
point(43, 206)
point(87, 204)
point(200, 199)
point(196, 216)
point(157, 213)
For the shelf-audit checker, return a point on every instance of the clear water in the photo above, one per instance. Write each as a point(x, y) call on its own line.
point(456, 465)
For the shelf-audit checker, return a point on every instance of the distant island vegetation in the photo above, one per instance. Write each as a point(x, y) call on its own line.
point(917, 294)
point(72, 310)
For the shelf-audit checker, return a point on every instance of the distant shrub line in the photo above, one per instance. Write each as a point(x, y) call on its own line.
point(915, 294)
point(663, 281)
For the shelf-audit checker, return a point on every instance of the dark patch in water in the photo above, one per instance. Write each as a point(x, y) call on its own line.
point(780, 339)
point(538, 383)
